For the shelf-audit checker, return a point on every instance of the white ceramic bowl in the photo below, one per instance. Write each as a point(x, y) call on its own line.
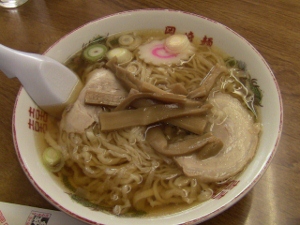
point(29, 121)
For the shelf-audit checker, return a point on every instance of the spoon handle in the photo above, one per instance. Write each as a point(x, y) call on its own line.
point(11, 61)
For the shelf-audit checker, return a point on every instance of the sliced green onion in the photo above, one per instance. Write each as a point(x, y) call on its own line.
point(126, 40)
point(123, 55)
point(53, 159)
point(231, 62)
point(256, 91)
point(94, 52)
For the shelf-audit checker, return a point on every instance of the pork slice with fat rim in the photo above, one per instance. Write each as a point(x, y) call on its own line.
point(79, 116)
point(236, 128)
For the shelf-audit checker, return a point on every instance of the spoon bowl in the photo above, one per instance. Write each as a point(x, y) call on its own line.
point(49, 83)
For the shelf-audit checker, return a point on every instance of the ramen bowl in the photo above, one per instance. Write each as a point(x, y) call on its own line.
point(30, 122)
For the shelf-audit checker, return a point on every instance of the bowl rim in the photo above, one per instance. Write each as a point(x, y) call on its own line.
point(197, 220)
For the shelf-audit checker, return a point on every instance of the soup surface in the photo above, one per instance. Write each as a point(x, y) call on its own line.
point(162, 121)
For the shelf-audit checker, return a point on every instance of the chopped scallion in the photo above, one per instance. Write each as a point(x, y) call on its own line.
point(94, 52)
point(53, 159)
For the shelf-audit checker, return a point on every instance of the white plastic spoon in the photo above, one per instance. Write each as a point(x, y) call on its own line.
point(49, 83)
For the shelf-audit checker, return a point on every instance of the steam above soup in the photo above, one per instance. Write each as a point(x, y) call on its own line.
point(160, 121)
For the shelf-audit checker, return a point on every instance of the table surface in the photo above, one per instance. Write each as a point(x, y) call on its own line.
point(272, 27)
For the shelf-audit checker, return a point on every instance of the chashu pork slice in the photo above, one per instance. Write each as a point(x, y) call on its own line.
point(79, 116)
point(239, 134)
